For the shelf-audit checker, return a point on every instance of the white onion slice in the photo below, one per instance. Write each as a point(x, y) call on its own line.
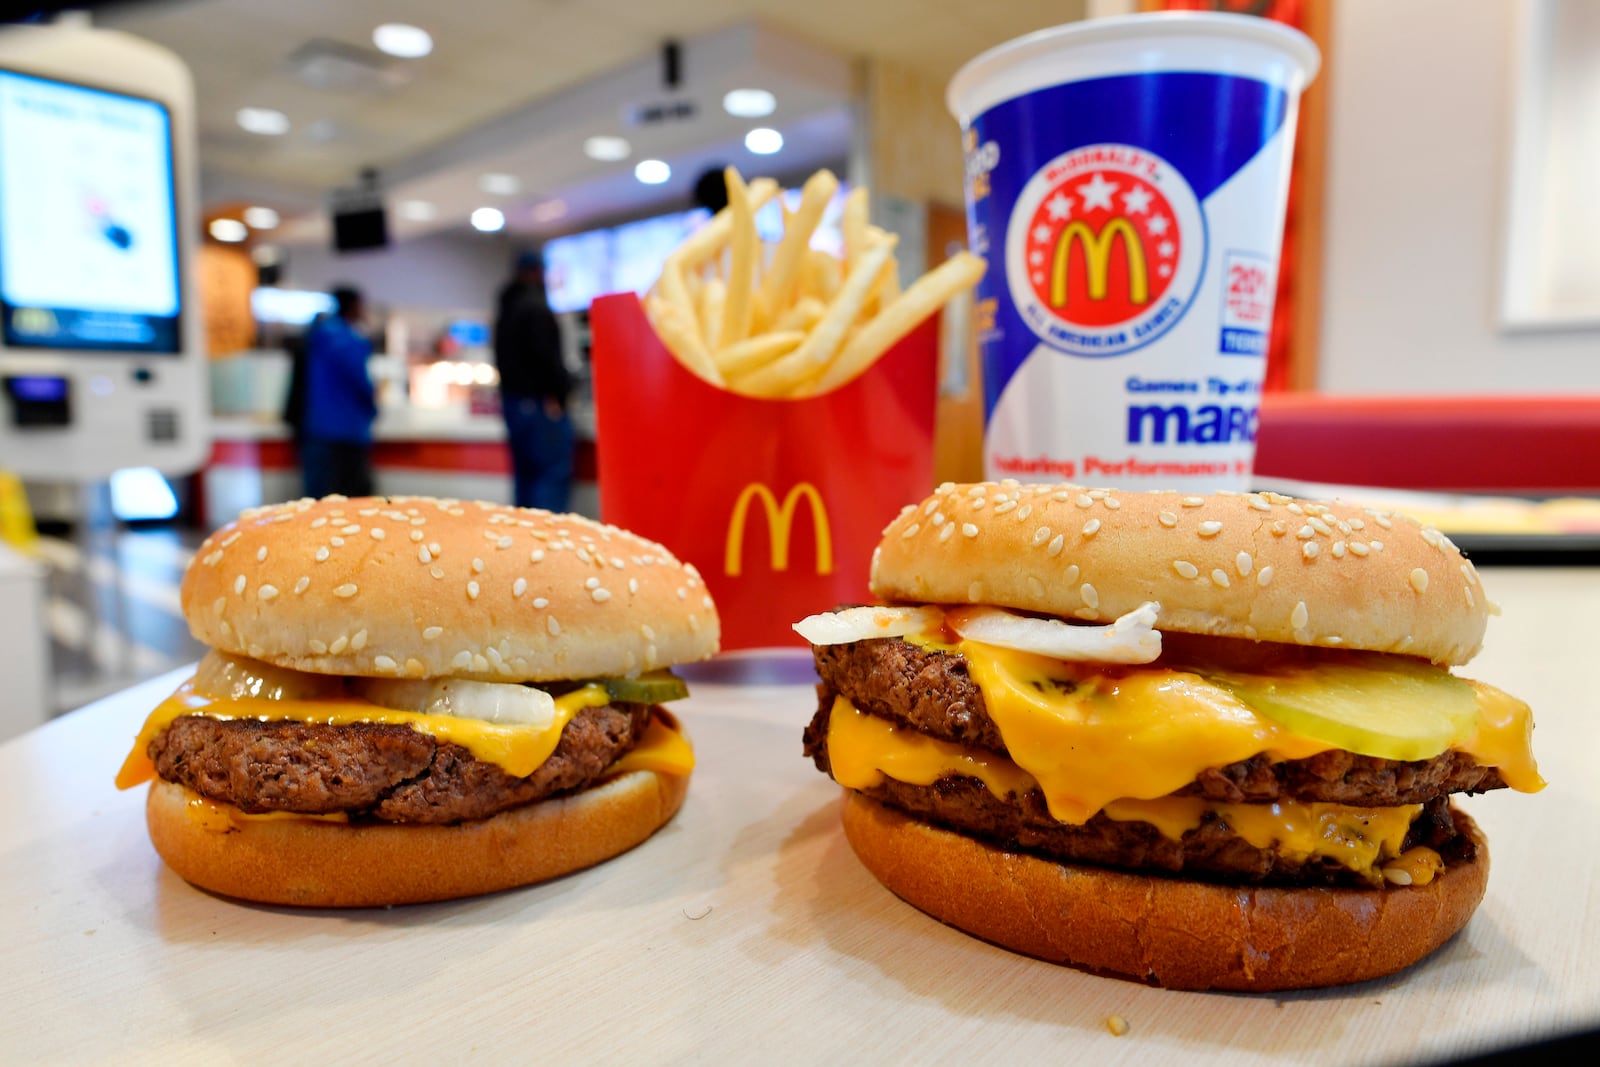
point(224, 677)
point(867, 624)
point(497, 702)
point(1131, 639)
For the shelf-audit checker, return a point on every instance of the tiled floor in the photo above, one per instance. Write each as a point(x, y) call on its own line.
point(112, 609)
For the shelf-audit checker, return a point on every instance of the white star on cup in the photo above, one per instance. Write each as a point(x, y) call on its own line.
point(1096, 192)
point(1136, 200)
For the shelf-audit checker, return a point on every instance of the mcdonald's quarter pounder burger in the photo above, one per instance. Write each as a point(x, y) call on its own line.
point(410, 699)
point(1198, 741)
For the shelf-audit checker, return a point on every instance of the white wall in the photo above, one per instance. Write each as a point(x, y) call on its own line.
point(1419, 132)
point(443, 271)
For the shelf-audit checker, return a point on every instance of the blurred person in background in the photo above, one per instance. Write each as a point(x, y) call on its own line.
point(339, 402)
point(534, 383)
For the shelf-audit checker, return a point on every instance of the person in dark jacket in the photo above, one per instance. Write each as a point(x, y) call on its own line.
point(534, 383)
point(336, 427)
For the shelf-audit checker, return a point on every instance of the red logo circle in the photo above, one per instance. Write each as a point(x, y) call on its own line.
point(1102, 248)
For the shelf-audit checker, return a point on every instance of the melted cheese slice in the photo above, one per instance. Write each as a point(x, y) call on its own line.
point(1094, 733)
point(518, 749)
point(864, 750)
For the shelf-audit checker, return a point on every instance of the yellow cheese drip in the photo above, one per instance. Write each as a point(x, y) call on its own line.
point(519, 749)
point(1504, 738)
point(863, 750)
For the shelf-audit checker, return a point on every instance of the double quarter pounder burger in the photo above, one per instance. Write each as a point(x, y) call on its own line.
point(417, 699)
point(1200, 741)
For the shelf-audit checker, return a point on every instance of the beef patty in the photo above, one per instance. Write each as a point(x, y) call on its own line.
point(386, 772)
point(930, 691)
point(1210, 852)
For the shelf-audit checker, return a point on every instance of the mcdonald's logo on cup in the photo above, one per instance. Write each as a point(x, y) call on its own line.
point(1104, 250)
point(780, 524)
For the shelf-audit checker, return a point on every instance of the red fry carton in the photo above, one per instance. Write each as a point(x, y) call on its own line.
point(778, 503)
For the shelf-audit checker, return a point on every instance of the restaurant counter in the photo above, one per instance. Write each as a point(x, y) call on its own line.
point(746, 928)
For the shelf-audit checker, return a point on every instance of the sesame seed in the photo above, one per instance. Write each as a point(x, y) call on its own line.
point(591, 583)
point(1025, 511)
point(1209, 529)
point(319, 647)
point(345, 591)
point(480, 664)
point(230, 539)
point(1468, 572)
point(436, 572)
point(540, 602)
point(377, 533)
point(319, 522)
point(267, 592)
point(1296, 508)
point(1185, 568)
point(1091, 597)
point(969, 530)
point(1383, 520)
point(504, 542)
point(1321, 527)
point(1310, 549)
point(946, 532)
point(1257, 502)
point(1377, 546)
point(911, 531)
point(1193, 501)
point(367, 512)
point(1358, 548)
point(1009, 505)
point(1471, 601)
point(633, 585)
point(929, 508)
point(1085, 500)
point(353, 528)
point(416, 535)
point(519, 587)
point(553, 626)
point(938, 519)
point(384, 663)
point(1338, 550)
point(1244, 563)
point(225, 627)
point(423, 555)
point(1167, 519)
point(238, 586)
point(536, 556)
point(1219, 577)
point(1035, 586)
point(261, 554)
point(1041, 535)
point(1305, 533)
point(1054, 547)
point(219, 604)
point(432, 633)
point(1113, 503)
point(1070, 575)
point(601, 595)
point(1091, 527)
point(433, 546)
point(1358, 524)
point(1097, 494)
point(213, 559)
point(1279, 528)
point(1299, 617)
point(975, 592)
point(1419, 580)
point(683, 594)
point(649, 634)
point(359, 641)
point(336, 542)
point(477, 565)
point(494, 656)
point(340, 643)
point(472, 590)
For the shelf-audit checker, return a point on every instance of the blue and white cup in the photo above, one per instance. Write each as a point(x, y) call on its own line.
point(1126, 179)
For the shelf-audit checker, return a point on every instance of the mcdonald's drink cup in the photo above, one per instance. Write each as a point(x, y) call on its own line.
point(777, 503)
point(1127, 180)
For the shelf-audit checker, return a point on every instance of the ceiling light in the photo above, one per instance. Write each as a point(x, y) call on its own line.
point(550, 211)
point(652, 171)
point(763, 141)
point(418, 211)
point(260, 218)
point(488, 219)
point(749, 103)
point(500, 184)
point(403, 41)
point(230, 230)
point(607, 149)
point(263, 120)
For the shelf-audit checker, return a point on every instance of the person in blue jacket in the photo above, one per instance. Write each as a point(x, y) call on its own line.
point(336, 432)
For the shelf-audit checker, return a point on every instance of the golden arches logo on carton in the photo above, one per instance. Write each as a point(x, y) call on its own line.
point(1097, 260)
point(780, 521)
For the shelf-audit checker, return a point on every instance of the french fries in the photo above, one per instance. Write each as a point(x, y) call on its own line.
point(789, 320)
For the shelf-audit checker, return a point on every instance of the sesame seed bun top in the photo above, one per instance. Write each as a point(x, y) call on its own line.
point(1258, 566)
point(418, 587)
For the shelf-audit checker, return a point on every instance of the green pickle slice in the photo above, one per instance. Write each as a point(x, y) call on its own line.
point(657, 687)
point(1401, 710)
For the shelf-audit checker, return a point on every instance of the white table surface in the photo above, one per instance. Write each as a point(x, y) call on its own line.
point(746, 929)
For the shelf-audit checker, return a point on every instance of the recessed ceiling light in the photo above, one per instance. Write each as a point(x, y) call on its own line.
point(403, 41)
point(488, 219)
point(260, 218)
point(418, 211)
point(229, 230)
point(607, 149)
point(263, 120)
point(550, 211)
point(749, 103)
point(652, 171)
point(763, 141)
point(500, 184)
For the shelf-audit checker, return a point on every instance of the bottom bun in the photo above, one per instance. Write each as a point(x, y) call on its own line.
point(1165, 931)
point(324, 864)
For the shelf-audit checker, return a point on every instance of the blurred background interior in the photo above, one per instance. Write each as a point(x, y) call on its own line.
point(1438, 317)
